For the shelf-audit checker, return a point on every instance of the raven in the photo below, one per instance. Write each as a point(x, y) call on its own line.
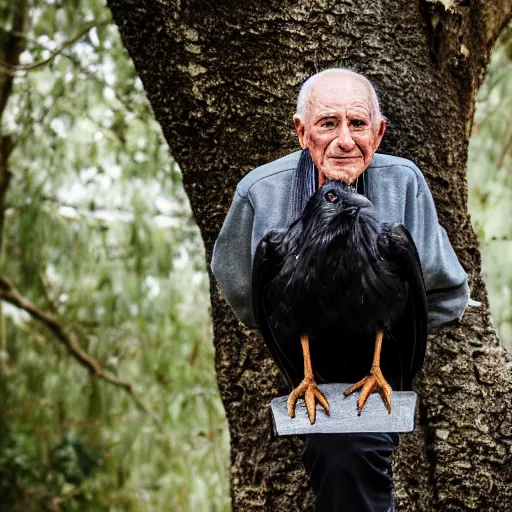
point(344, 281)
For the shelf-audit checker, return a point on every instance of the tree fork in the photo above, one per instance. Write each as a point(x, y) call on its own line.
point(222, 78)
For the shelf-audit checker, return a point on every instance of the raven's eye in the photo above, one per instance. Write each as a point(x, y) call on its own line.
point(331, 196)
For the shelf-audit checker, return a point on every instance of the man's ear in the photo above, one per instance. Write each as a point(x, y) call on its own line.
point(380, 133)
point(299, 128)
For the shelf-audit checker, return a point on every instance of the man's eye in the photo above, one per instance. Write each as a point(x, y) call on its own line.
point(358, 123)
point(328, 124)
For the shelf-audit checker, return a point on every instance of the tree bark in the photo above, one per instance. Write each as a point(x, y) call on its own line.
point(14, 45)
point(222, 78)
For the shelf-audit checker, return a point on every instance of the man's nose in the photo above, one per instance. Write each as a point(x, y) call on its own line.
point(345, 140)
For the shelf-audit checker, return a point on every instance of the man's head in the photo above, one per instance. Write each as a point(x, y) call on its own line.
point(338, 119)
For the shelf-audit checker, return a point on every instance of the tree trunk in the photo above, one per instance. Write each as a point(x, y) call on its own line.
point(222, 78)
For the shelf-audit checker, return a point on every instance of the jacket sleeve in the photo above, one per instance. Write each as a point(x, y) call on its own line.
point(232, 261)
point(445, 280)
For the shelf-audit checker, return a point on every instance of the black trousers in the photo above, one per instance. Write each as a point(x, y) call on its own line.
point(351, 472)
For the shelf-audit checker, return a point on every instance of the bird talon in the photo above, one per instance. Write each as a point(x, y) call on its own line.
point(312, 395)
point(370, 384)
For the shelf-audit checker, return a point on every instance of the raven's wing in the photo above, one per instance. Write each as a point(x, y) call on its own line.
point(286, 354)
point(410, 330)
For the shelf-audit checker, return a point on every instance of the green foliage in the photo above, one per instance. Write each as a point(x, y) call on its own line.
point(99, 233)
point(490, 183)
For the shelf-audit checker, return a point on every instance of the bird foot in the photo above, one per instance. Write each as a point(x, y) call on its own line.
point(312, 394)
point(370, 384)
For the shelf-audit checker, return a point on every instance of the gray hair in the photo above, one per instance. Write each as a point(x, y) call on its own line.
point(307, 87)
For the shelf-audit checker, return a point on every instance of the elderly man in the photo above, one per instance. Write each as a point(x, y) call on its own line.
point(339, 125)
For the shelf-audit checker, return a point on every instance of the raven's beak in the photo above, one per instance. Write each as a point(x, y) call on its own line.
point(360, 201)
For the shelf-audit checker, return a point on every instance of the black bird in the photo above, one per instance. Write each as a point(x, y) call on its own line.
point(344, 281)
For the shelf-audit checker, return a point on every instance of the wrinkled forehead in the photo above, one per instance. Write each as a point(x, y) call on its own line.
point(338, 90)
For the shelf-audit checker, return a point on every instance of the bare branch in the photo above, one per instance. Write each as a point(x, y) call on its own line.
point(506, 147)
point(10, 293)
point(11, 69)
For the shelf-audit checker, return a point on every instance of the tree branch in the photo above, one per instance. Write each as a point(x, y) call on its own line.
point(10, 293)
point(14, 46)
point(492, 16)
point(6, 146)
point(12, 69)
point(506, 147)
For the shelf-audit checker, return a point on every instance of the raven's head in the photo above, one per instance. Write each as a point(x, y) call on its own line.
point(335, 199)
point(335, 214)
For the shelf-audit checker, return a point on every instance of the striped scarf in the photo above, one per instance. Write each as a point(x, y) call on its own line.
point(304, 185)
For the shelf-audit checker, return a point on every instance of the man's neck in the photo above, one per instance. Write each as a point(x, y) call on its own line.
point(357, 186)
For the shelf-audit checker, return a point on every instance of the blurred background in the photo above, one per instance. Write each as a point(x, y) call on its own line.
point(97, 231)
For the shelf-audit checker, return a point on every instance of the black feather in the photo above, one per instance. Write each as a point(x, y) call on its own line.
point(339, 275)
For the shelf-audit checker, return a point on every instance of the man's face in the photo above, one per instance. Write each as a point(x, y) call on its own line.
point(339, 128)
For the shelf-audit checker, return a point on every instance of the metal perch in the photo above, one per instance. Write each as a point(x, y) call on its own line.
point(343, 414)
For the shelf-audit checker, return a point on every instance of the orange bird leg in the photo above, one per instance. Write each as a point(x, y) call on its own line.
point(307, 387)
point(374, 382)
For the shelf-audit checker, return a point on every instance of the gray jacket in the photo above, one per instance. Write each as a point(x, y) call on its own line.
point(399, 193)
